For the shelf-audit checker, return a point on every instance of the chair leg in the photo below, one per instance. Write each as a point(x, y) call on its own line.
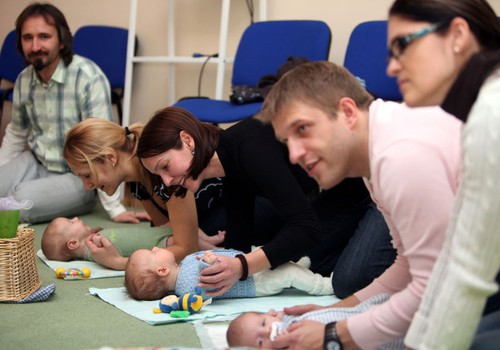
point(116, 98)
point(3, 97)
point(120, 110)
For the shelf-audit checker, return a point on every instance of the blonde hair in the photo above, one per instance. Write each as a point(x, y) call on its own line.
point(54, 243)
point(92, 139)
point(143, 283)
point(236, 328)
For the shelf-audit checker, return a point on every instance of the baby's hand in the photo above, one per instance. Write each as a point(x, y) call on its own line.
point(278, 314)
point(209, 257)
point(97, 240)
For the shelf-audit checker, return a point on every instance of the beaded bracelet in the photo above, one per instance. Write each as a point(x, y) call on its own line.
point(244, 265)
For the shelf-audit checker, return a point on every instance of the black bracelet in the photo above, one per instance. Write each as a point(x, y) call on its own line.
point(244, 266)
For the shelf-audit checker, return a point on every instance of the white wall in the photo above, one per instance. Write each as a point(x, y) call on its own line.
point(197, 30)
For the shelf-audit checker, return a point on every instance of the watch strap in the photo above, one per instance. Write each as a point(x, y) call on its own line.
point(332, 340)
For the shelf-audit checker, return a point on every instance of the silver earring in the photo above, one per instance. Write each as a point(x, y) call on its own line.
point(192, 152)
point(456, 49)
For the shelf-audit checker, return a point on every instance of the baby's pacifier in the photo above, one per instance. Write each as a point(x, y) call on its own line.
point(276, 330)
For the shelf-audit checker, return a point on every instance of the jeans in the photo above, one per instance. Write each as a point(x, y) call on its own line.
point(488, 333)
point(356, 245)
point(53, 194)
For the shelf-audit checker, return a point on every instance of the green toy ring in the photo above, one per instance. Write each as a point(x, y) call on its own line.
point(179, 314)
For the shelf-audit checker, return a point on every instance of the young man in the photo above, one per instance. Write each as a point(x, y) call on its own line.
point(56, 91)
point(410, 161)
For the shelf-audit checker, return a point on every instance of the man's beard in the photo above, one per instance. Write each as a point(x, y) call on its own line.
point(39, 63)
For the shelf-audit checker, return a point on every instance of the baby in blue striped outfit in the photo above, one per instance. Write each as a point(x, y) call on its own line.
point(260, 330)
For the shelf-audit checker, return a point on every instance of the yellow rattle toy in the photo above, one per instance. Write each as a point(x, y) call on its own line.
point(61, 272)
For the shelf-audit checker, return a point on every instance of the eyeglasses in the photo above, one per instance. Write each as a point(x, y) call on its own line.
point(400, 43)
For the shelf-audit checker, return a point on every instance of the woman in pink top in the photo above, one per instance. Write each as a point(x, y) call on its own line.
point(409, 159)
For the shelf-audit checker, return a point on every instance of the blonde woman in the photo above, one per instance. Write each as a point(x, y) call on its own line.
point(102, 154)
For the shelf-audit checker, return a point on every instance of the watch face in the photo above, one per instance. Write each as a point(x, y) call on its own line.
point(333, 345)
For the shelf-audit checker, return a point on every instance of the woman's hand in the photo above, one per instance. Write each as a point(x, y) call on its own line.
point(220, 276)
point(132, 217)
point(105, 253)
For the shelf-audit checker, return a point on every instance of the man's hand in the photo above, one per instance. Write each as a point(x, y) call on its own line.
point(303, 335)
point(105, 253)
point(132, 217)
point(301, 309)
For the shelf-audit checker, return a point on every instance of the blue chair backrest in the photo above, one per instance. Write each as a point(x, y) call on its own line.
point(265, 46)
point(11, 61)
point(107, 47)
point(366, 57)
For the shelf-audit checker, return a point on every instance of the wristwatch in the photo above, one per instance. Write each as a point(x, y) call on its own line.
point(332, 341)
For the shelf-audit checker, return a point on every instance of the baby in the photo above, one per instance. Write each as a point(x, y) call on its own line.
point(260, 330)
point(153, 274)
point(64, 239)
point(256, 329)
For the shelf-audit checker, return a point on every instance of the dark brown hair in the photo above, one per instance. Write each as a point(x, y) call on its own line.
point(53, 17)
point(482, 20)
point(162, 133)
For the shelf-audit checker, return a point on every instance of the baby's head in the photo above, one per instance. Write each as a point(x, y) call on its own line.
point(64, 239)
point(151, 274)
point(251, 329)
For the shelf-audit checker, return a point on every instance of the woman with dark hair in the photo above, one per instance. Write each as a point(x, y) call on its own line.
point(329, 227)
point(447, 52)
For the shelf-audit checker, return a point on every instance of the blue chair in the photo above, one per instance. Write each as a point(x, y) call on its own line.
point(107, 47)
point(366, 58)
point(263, 48)
point(11, 64)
